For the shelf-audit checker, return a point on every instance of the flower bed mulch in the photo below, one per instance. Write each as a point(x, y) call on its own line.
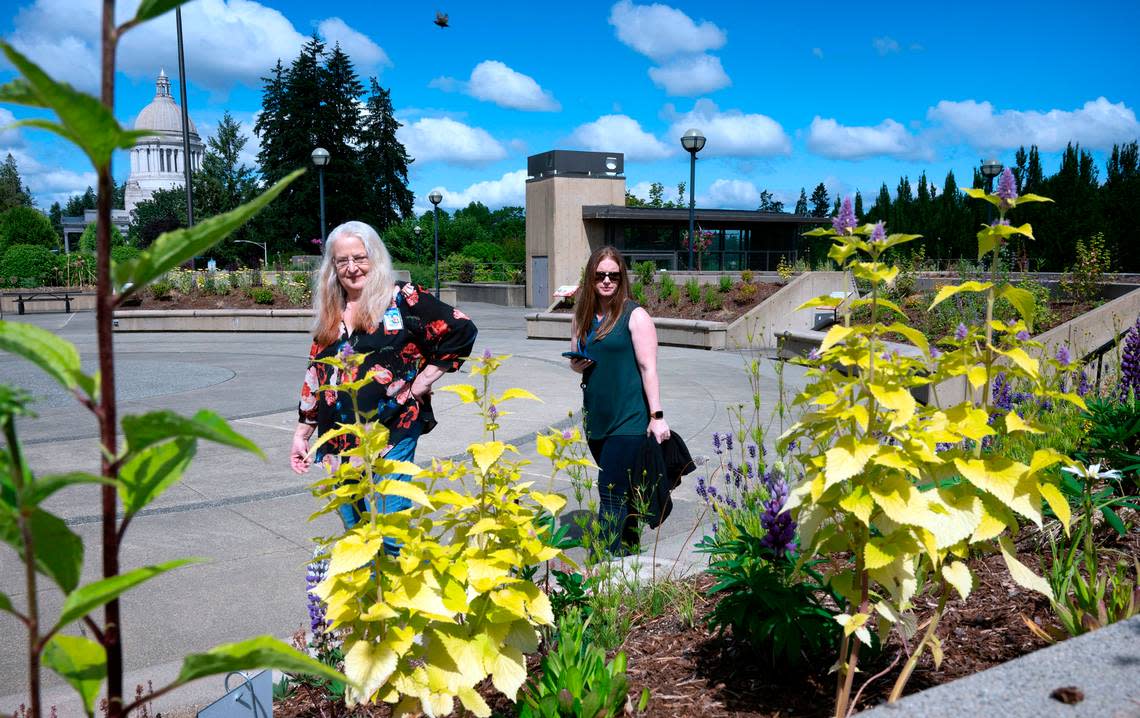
point(233, 300)
point(736, 303)
point(691, 672)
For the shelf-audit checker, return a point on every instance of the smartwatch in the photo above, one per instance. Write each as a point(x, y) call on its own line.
point(658, 414)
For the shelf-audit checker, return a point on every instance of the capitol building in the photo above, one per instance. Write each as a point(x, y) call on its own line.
point(158, 160)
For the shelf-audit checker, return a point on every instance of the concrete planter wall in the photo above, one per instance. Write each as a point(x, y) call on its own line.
point(504, 295)
point(673, 332)
point(214, 320)
point(84, 302)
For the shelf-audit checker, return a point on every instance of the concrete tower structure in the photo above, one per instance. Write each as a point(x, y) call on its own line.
point(158, 161)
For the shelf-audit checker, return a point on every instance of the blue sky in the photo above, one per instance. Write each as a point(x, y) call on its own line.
point(788, 94)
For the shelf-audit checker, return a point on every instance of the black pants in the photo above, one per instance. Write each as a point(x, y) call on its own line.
point(615, 456)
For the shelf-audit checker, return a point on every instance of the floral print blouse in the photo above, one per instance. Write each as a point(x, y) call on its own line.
point(416, 330)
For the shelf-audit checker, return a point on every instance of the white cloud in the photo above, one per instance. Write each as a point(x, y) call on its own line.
point(1098, 124)
point(227, 42)
point(885, 45)
point(889, 138)
point(9, 136)
point(369, 58)
point(620, 133)
point(689, 76)
point(659, 31)
point(732, 133)
point(493, 81)
point(640, 190)
point(441, 139)
point(48, 183)
point(730, 194)
point(818, 52)
point(507, 191)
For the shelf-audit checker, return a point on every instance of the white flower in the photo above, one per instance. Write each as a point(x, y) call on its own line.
point(1092, 472)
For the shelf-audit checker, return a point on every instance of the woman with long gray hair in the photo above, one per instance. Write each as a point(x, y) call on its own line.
point(410, 338)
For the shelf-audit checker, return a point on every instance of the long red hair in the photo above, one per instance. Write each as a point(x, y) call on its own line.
point(589, 303)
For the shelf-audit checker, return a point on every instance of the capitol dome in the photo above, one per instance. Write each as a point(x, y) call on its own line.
point(162, 113)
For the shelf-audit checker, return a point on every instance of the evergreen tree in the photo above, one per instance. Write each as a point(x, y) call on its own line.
point(1033, 174)
point(55, 214)
point(1021, 159)
point(858, 206)
point(384, 161)
point(820, 201)
point(12, 190)
point(1120, 201)
point(802, 204)
point(769, 204)
point(223, 183)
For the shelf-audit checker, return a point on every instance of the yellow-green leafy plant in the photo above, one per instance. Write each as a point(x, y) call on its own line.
point(426, 626)
point(906, 490)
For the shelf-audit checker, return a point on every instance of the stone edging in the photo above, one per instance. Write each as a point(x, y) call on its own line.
point(213, 320)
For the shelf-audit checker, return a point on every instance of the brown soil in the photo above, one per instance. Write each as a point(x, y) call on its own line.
point(233, 300)
point(736, 303)
point(689, 671)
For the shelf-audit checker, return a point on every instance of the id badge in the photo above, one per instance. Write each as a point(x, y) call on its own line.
point(393, 322)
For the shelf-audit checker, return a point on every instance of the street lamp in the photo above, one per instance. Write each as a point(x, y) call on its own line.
point(435, 198)
point(991, 168)
point(693, 142)
point(320, 159)
point(264, 251)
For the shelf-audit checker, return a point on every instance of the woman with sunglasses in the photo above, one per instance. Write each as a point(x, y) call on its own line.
point(409, 339)
point(614, 344)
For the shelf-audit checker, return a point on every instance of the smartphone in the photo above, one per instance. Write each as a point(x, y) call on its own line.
point(576, 355)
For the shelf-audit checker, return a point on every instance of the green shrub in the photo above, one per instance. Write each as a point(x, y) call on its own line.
point(26, 225)
point(457, 268)
point(241, 279)
point(422, 274)
point(637, 289)
point(488, 252)
point(668, 290)
point(748, 292)
point(725, 285)
point(713, 299)
point(161, 289)
point(746, 276)
point(693, 290)
point(298, 294)
point(576, 680)
point(1086, 277)
point(123, 253)
point(645, 272)
point(261, 295)
point(87, 239)
point(28, 265)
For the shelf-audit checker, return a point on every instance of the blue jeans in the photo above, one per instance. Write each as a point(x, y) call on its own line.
point(350, 514)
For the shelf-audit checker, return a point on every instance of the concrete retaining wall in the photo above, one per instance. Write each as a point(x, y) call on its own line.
point(79, 303)
point(504, 295)
point(673, 332)
point(214, 320)
point(1093, 329)
point(777, 314)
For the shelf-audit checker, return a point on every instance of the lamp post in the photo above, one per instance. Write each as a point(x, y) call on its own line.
point(264, 251)
point(435, 198)
point(186, 164)
point(693, 142)
point(991, 168)
point(320, 159)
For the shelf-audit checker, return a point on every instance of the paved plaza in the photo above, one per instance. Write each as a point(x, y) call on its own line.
point(248, 519)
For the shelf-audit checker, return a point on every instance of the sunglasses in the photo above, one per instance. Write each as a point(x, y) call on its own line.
point(614, 277)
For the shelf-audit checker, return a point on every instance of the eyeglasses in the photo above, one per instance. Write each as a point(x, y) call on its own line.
point(343, 262)
point(614, 277)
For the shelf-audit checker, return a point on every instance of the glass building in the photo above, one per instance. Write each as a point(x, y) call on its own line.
point(737, 239)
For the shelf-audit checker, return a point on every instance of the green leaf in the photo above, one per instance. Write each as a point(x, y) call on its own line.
point(6, 603)
point(79, 661)
point(151, 428)
point(150, 9)
point(58, 357)
point(1113, 520)
point(58, 551)
point(86, 599)
point(259, 652)
point(150, 472)
point(44, 487)
point(951, 289)
point(1022, 300)
point(83, 120)
point(181, 245)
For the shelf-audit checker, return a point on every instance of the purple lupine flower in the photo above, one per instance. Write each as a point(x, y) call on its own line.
point(716, 444)
point(845, 221)
point(960, 333)
point(1130, 363)
point(1003, 397)
point(781, 529)
point(879, 233)
point(1022, 336)
point(728, 441)
point(1007, 188)
point(318, 570)
point(1063, 356)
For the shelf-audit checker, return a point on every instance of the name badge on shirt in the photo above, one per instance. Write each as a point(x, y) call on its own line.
point(393, 322)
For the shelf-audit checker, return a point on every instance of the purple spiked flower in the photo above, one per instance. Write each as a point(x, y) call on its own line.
point(1007, 188)
point(845, 221)
point(318, 570)
point(814, 355)
point(716, 443)
point(1022, 336)
point(879, 233)
point(1083, 388)
point(1130, 363)
point(935, 352)
point(781, 529)
point(1063, 355)
point(728, 441)
point(960, 333)
point(493, 413)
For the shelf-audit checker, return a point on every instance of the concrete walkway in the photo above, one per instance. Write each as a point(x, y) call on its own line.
point(248, 518)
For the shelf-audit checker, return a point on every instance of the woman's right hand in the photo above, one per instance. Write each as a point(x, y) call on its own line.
point(299, 454)
point(580, 365)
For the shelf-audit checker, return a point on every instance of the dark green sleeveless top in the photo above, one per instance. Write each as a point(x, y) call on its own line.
point(613, 397)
